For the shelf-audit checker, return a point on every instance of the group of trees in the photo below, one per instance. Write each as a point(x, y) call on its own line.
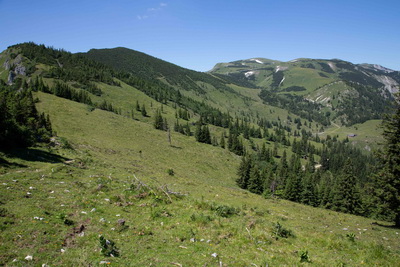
point(345, 179)
point(20, 123)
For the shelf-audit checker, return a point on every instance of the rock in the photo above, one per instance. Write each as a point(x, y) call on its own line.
point(214, 255)
point(29, 258)
point(121, 222)
point(11, 77)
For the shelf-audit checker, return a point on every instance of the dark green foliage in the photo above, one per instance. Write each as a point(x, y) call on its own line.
point(20, 123)
point(255, 182)
point(304, 256)
point(151, 68)
point(346, 197)
point(386, 182)
point(295, 89)
point(244, 172)
point(143, 111)
point(108, 247)
point(351, 237)
point(202, 133)
point(159, 121)
point(67, 66)
point(295, 104)
point(224, 210)
point(278, 231)
point(170, 172)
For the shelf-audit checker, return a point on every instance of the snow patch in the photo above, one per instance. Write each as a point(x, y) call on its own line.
point(249, 73)
point(281, 81)
point(333, 67)
point(257, 60)
point(280, 68)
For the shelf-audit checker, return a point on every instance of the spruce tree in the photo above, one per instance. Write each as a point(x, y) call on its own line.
point(144, 112)
point(346, 198)
point(244, 172)
point(255, 183)
point(222, 141)
point(387, 180)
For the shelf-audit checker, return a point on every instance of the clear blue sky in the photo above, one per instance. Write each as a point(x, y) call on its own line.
point(198, 34)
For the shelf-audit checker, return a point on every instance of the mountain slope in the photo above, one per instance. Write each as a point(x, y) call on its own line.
point(94, 186)
point(161, 197)
point(342, 91)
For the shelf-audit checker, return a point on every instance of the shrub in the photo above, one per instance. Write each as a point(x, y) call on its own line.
point(280, 231)
point(171, 172)
point(224, 210)
point(304, 256)
point(108, 247)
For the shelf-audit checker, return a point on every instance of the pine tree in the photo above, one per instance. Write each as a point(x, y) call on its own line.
point(222, 141)
point(387, 180)
point(255, 183)
point(158, 121)
point(143, 110)
point(244, 172)
point(346, 198)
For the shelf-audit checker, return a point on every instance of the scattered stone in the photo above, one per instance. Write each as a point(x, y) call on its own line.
point(83, 212)
point(106, 199)
point(93, 210)
point(183, 247)
point(66, 191)
point(208, 241)
point(121, 222)
point(202, 240)
point(62, 250)
point(104, 262)
point(118, 215)
point(102, 220)
point(29, 258)
point(214, 255)
point(192, 240)
point(345, 229)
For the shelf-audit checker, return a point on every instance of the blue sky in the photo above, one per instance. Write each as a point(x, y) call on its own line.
point(199, 34)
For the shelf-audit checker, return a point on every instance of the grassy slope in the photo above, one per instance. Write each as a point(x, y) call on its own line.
point(107, 153)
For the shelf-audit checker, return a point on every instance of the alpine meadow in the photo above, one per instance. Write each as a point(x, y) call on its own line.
point(115, 157)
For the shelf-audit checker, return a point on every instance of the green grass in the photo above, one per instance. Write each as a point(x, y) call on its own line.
point(94, 185)
point(368, 134)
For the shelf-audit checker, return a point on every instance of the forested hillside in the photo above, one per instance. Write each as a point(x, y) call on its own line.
point(143, 136)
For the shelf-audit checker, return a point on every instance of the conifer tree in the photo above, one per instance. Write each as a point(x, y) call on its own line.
point(346, 198)
point(255, 183)
point(143, 110)
point(222, 141)
point(244, 172)
point(387, 180)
